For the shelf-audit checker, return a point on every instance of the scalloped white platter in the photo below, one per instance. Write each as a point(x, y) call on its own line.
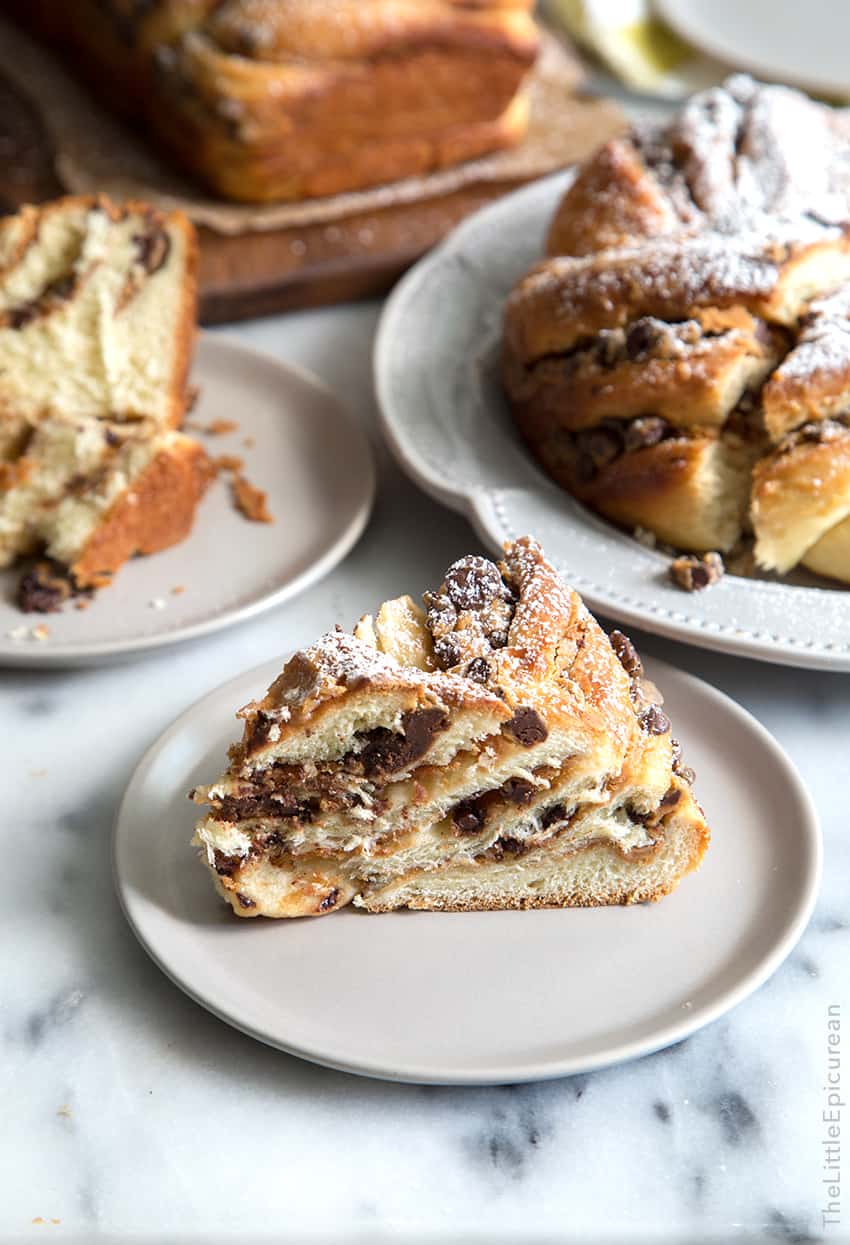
point(447, 421)
point(300, 446)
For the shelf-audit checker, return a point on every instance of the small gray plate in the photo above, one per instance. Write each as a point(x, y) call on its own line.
point(481, 997)
point(446, 418)
point(299, 445)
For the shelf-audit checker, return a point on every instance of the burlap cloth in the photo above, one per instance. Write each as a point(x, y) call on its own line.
point(93, 152)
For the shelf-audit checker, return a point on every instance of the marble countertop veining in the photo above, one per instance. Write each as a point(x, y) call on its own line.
point(130, 1113)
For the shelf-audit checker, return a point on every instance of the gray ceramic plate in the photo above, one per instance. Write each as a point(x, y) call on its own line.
point(444, 414)
point(299, 445)
point(805, 44)
point(475, 998)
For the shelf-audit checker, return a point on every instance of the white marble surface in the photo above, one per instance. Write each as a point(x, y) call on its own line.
point(130, 1113)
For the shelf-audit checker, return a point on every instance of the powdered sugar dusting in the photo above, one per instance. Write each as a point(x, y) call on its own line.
point(743, 155)
point(823, 345)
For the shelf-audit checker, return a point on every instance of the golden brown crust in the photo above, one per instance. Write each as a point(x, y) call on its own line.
point(301, 98)
point(800, 492)
point(692, 379)
point(691, 492)
point(155, 513)
point(813, 381)
point(830, 555)
point(612, 202)
point(565, 301)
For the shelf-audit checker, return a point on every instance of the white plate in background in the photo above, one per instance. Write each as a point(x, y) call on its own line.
point(300, 446)
point(802, 43)
point(483, 997)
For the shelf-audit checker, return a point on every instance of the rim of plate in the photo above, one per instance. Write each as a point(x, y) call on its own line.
point(134, 911)
point(79, 654)
point(680, 19)
point(712, 619)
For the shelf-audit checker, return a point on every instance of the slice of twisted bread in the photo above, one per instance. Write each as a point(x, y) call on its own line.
point(491, 750)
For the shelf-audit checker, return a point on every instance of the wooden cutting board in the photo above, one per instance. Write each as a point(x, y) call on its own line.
point(254, 274)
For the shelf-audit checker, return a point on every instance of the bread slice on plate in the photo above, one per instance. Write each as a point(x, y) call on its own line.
point(97, 321)
point(491, 748)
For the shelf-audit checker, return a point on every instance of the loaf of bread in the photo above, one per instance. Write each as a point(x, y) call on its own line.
point(681, 360)
point(493, 750)
point(97, 320)
point(270, 100)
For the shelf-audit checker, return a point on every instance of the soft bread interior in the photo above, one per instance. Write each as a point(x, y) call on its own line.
point(90, 329)
point(830, 555)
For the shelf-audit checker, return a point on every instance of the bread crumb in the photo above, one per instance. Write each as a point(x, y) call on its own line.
point(18, 633)
point(158, 603)
point(177, 590)
point(249, 443)
point(692, 573)
point(82, 604)
point(215, 428)
point(251, 501)
point(229, 462)
point(41, 632)
point(64, 1111)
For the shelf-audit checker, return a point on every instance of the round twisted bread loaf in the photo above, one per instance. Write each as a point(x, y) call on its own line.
point(681, 360)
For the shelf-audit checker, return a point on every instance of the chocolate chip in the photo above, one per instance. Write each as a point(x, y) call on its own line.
point(329, 900)
point(446, 652)
point(261, 804)
point(244, 901)
point(642, 337)
point(19, 316)
point(226, 866)
point(518, 790)
point(655, 721)
point(472, 582)
point(62, 288)
point(526, 726)
point(152, 248)
point(643, 432)
point(671, 799)
point(43, 590)
point(505, 844)
point(601, 445)
point(387, 751)
point(468, 816)
point(478, 669)
point(626, 653)
point(692, 573)
point(556, 812)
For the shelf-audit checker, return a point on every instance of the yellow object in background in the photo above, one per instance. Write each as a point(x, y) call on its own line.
point(638, 48)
